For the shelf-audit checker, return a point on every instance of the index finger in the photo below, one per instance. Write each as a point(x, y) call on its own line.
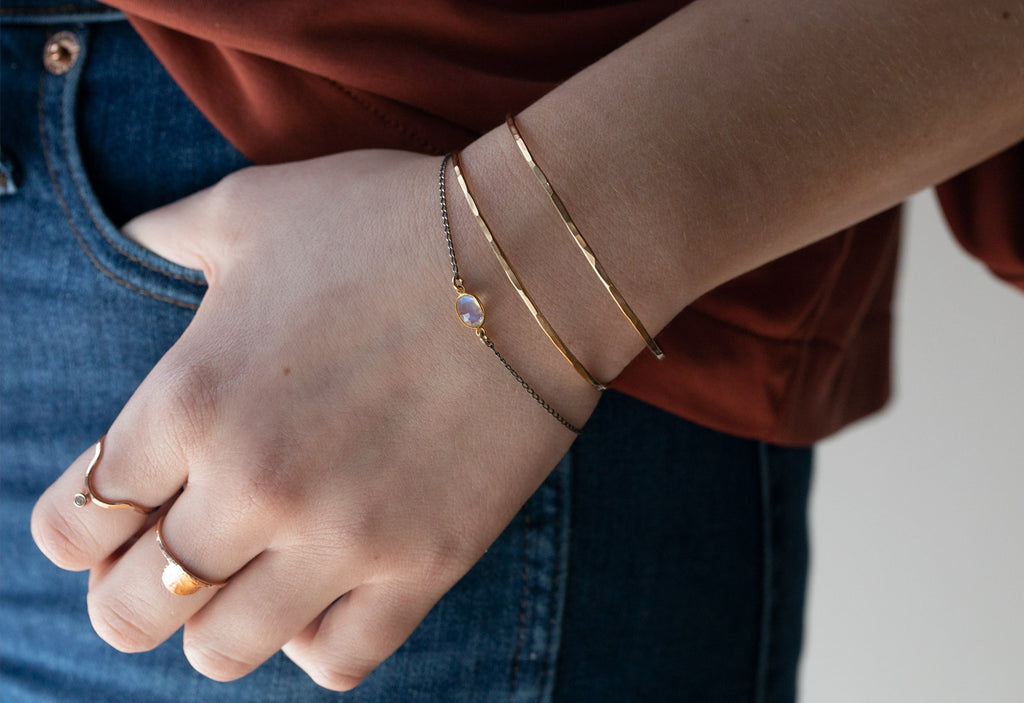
point(85, 516)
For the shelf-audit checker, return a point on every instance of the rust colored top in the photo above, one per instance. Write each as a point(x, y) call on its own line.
point(788, 353)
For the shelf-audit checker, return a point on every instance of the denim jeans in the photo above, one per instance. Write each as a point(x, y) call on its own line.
point(660, 561)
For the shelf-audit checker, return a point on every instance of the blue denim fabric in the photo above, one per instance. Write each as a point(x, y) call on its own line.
point(661, 561)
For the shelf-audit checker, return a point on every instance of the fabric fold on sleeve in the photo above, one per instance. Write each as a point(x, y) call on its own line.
point(984, 207)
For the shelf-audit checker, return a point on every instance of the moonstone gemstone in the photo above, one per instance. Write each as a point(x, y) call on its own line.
point(470, 311)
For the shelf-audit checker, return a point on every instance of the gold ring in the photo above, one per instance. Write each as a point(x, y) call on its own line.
point(177, 579)
point(89, 495)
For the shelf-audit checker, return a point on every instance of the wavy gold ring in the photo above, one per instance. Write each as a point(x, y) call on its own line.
point(89, 495)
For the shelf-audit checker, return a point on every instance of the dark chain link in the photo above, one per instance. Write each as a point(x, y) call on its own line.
point(458, 283)
point(515, 374)
point(456, 278)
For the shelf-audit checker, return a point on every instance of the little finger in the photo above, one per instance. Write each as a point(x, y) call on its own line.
point(359, 632)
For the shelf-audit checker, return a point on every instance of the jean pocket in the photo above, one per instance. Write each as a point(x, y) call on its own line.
point(120, 259)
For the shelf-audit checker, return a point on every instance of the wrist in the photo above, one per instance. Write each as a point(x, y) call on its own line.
point(508, 353)
point(549, 263)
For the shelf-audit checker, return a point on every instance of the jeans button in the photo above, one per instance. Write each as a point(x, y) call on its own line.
point(61, 52)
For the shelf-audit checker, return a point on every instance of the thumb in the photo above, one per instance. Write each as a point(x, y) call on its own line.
point(178, 232)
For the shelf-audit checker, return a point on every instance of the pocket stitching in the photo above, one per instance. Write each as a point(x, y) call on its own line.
point(45, 142)
point(99, 228)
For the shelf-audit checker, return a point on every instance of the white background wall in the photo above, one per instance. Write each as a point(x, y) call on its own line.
point(917, 583)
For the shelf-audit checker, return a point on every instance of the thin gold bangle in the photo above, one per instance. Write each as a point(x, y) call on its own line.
point(514, 279)
point(584, 247)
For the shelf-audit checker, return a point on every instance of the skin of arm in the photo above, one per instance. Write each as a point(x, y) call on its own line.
point(734, 133)
point(728, 135)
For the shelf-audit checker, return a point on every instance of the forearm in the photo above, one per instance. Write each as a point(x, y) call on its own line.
point(733, 133)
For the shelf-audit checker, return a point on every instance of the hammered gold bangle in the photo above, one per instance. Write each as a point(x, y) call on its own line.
point(580, 241)
point(514, 279)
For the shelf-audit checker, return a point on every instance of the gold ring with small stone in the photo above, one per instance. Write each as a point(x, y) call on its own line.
point(176, 578)
point(89, 495)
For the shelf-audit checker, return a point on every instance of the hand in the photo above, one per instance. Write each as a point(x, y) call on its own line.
point(326, 436)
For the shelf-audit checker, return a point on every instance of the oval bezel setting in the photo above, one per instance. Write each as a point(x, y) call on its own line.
point(470, 310)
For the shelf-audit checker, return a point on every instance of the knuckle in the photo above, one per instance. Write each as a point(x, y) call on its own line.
point(430, 570)
point(232, 188)
point(212, 661)
point(363, 524)
point(66, 544)
point(227, 205)
point(120, 625)
point(259, 496)
point(442, 560)
point(190, 404)
point(266, 485)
